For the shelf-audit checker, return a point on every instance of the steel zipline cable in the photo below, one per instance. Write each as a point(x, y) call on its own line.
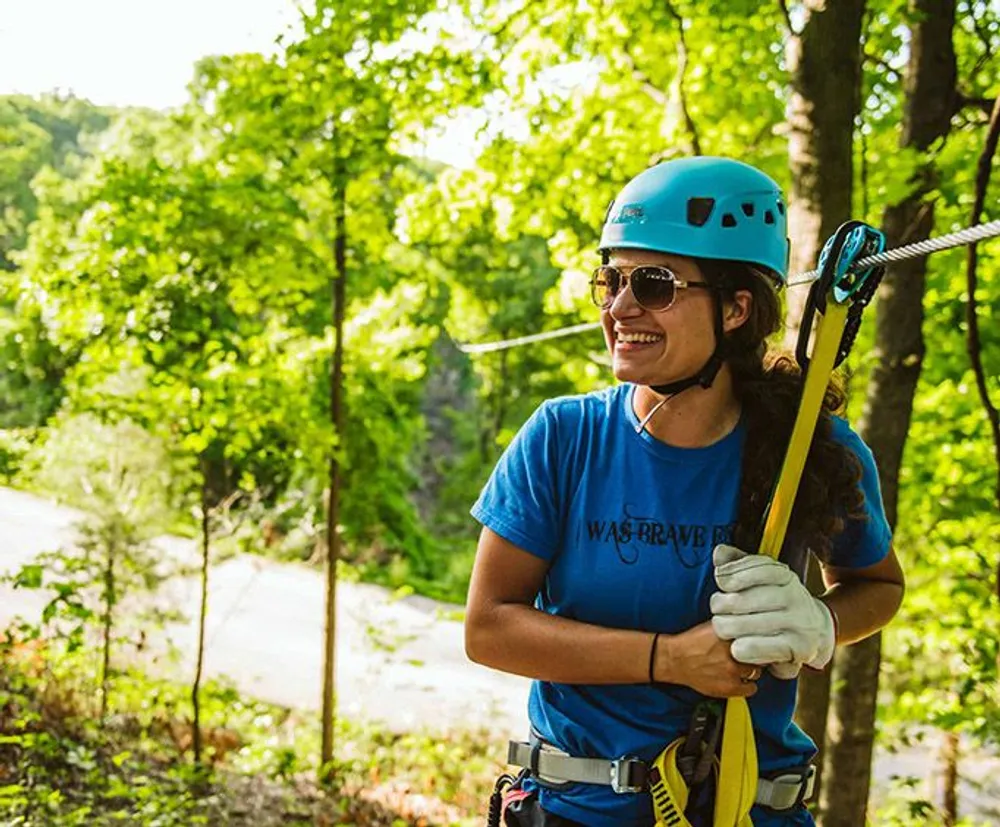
point(489, 347)
point(970, 235)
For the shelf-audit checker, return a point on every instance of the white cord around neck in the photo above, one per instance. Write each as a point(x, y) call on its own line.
point(642, 425)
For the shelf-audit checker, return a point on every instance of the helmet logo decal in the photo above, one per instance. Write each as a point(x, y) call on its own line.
point(630, 214)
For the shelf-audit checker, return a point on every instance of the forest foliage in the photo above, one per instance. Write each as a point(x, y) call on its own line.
point(170, 272)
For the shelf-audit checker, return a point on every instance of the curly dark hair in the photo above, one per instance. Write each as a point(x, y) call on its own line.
point(769, 384)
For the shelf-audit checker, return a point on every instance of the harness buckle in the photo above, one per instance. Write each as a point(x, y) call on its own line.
point(628, 775)
point(808, 782)
point(790, 788)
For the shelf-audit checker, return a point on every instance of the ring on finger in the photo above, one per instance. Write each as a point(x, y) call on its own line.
point(753, 675)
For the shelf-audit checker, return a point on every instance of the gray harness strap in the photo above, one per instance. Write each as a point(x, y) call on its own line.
point(624, 775)
point(630, 775)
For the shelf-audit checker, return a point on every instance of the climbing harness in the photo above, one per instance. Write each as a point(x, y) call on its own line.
point(667, 776)
point(848, 275)
point(959, 238)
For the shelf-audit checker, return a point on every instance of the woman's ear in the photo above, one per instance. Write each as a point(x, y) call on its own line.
point(736, 311)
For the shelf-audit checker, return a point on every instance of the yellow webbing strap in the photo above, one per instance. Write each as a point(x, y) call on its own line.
point(736, 774)
point(821, 364)
point(737, 765)
point(737, 785)
point(667, 787)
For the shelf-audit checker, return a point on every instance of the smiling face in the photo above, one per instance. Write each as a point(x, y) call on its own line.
point(654, 348)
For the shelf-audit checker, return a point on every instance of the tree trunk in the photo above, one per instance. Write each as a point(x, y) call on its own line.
point(950, 752)
point(448, 398)
point(495, 408)
point(206, 545)
point(824, 60)
point(899, 350)
point(338, 296)
point(108, 625)
point(813, 699)
point(500, 399)
point(973, 340)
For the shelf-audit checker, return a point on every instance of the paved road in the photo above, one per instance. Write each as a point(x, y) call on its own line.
point(399, 661)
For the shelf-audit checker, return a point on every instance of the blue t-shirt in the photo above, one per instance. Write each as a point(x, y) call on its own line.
point(628, 524)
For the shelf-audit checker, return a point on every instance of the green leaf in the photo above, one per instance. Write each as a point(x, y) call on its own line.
point(29, 577)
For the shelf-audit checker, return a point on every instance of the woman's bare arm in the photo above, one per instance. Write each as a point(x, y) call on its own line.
point(504, 630)
point(863, 600)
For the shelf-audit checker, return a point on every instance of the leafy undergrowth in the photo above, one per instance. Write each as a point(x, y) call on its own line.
point(60, 766)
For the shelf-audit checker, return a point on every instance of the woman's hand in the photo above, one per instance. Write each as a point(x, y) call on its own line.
point(769, 615)
point(698, 658)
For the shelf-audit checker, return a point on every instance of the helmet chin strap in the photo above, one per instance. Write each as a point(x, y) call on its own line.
point(706, 376)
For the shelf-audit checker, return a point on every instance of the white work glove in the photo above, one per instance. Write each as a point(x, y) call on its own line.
point(768, 614)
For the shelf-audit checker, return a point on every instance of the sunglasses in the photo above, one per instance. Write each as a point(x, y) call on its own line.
point(654, 288)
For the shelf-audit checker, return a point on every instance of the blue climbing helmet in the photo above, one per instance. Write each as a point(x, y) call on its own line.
point(702, 207)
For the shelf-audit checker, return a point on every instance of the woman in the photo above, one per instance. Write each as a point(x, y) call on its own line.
point(614, 517)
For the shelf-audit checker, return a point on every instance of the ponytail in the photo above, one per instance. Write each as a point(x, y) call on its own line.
point(769, 385)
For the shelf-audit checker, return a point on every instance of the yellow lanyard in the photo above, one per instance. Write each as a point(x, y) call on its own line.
point(736, 776)
point(736, 767)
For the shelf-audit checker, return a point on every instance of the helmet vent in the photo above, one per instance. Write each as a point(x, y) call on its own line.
point(728, 220)
point(768, 217)
point(698, 210)
point(747, 207)
point(781, 208)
